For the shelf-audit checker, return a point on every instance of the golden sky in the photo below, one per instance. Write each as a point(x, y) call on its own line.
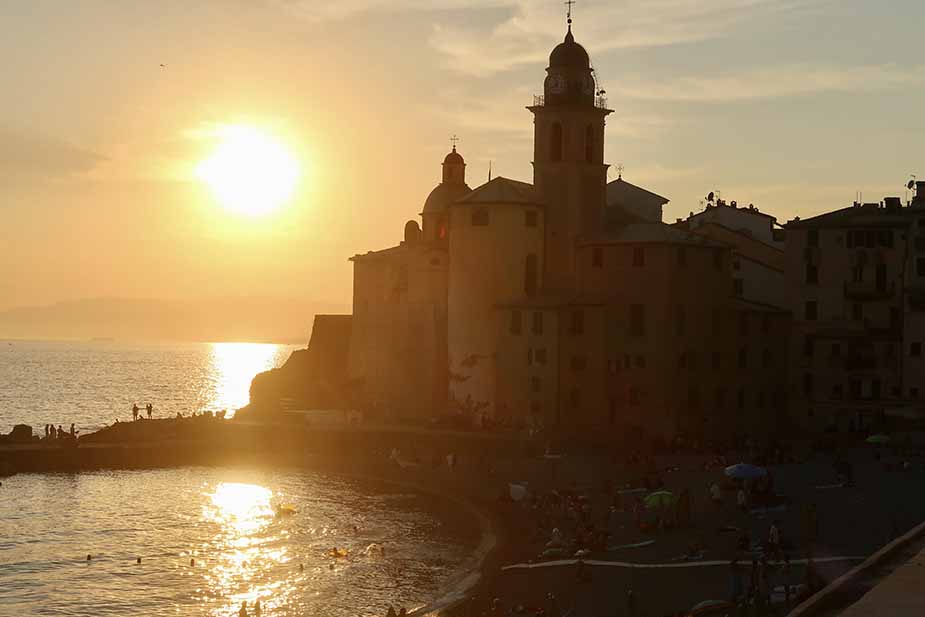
point(791, 104)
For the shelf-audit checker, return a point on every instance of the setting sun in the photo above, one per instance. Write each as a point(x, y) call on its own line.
point(250, 171)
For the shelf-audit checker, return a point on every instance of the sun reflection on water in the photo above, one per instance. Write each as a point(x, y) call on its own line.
point(234, 365)
point(246, 544)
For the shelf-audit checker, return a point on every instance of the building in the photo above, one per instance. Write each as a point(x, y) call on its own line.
point(757, 246)
point(855, 281)
point(564, 303)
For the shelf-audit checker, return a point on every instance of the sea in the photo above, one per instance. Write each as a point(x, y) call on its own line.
point(195, 540)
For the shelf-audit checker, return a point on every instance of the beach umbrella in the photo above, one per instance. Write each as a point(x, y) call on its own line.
point(744, 471)
point(659, 499)
point(878, 439)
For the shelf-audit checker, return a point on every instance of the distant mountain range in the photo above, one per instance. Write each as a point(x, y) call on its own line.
point(220, 319)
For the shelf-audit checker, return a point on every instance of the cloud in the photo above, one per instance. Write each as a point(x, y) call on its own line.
point(773, 82)
point(530, 30)
point(29, 154)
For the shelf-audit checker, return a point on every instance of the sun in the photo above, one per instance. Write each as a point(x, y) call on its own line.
point(250, 171)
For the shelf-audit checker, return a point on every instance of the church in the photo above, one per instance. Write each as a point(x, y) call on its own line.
point(565, 302)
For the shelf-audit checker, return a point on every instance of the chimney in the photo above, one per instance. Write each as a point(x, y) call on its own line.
point(919, 193)
point(892, 203)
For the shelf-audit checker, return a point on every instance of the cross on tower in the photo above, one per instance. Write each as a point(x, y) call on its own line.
point(453, 140)
point(620, 170)
point(568, 12)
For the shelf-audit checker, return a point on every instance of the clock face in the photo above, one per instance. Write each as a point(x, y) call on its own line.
point(556, 84)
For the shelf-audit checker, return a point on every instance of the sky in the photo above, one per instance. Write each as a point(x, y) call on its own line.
point(793, 105)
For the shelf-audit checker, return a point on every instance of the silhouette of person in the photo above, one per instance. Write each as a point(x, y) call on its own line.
point(150, 409)
point(134, 411)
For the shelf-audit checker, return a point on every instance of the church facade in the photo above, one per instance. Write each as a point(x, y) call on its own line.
point(565, 302)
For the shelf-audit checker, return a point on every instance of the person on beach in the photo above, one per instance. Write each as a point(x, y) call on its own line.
point(134, 411)
point(716, 495)
point(391, 612)
point(60, 432)
point(73, 432)
point(150, 409)
point(243, 611)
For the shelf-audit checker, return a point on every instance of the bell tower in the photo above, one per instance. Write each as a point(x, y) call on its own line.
point(568, 157)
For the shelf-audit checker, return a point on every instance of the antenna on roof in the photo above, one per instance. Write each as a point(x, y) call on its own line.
point(489, 171)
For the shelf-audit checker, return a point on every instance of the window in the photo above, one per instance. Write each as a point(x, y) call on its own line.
point(812, 238)
point(597, 257)
point(530, 218)
point(836, 350)
point(717, 360)
point(838, 391)
point(885, 238)
point(740, 399)
point(536, 384)
point(718, 258)
point(812, 274)
point(895, 318)
point(693, 397)
point(634, 396)
point(857, 311)
point(574, 398)
point(613, 366)
point(589, 144)
point(612, 415)
point(719, 398)
point(766, 359)
point(738, 287)
point(679, 321)
point(915, 349)
point(579, 363)
point(627, 361)
point(639, 257)
point(480, 217)
point(854, 387)
point(640, 361)
point(743, 357)
point(808, 347)
point(637, 320)
point(880, 277)
point(516, 322)
point(577, 326)
point(537, 322)
point(736, 265)
point(555, 142)
point(811, 310)
point(682, 360)
point(540, 356)
point(530, 357)
point(808, 385)
point(743, 324)
point(682, 256)
point(530, 275)
point(761, 399)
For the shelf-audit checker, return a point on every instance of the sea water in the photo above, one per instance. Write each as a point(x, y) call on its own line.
point(223, 519)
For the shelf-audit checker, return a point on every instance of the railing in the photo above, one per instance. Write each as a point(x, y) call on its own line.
point(539, 100)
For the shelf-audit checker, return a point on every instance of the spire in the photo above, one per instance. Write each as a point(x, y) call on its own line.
point(568, 19)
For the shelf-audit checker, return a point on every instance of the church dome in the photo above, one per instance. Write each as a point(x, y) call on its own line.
point(443, 195)
point(454, 158)
point(569, 54)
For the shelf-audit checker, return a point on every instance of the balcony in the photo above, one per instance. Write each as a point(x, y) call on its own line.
point(869, 290)
point(539, 100)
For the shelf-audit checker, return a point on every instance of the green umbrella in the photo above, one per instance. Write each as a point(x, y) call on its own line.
point(878, 439)
point(659, 499)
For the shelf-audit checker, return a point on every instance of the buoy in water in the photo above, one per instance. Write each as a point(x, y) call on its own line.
point(301, 567)
point(192, 562)
point(138, 560)
point(89, 557)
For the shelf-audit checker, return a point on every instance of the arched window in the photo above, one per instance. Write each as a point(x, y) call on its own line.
point(530, 273)
point(589, 144)
point(555, 142)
